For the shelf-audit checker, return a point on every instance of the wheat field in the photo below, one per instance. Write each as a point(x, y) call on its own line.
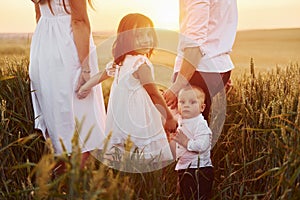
point(257, 155)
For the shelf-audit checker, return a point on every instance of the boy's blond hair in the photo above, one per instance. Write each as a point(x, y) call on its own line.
point(200, 94)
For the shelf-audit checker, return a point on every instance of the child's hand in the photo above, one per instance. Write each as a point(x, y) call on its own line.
point(83, 91)
point(180, 138)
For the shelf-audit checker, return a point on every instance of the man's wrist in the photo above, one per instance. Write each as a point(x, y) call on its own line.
point(175, 88)
point(180, 83)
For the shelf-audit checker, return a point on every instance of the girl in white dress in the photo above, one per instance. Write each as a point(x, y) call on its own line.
point(135, 107)
point(62, 57)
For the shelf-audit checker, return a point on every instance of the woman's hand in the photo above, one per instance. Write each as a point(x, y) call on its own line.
point(83, 91)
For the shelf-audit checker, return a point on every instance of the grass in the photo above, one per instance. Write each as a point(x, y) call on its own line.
point(260, 146)
point(257, 155)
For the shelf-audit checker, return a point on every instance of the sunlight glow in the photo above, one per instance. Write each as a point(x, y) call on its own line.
point(18, 15)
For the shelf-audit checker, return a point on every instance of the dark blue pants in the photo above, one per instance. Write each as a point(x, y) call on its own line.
point(196, 184)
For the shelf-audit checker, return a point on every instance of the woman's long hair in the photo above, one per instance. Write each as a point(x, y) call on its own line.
point(64, 4)
point(124, 43)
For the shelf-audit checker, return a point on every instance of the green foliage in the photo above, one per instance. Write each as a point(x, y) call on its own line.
point(256, 156)
point(20, 145)
point(258, 152)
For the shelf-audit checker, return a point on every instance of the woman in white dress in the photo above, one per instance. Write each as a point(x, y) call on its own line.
point(135, 107)
point(62, 58)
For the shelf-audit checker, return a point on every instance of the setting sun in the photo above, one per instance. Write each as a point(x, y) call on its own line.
point(163, 16)
point(170, 13)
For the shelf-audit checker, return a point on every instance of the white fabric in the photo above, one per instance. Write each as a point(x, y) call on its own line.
point(210, 25)
point(199, 145)
point(54, 70)
point(132, 112)
point(111, 68)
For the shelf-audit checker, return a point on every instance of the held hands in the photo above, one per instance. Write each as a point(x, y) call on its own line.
point(83, 90)
point(171, 125)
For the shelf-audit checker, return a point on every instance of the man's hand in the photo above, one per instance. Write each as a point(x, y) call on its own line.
point(170, 98)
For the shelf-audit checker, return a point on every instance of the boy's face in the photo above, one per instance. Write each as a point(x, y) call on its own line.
point(143, 40)
point(190, 103)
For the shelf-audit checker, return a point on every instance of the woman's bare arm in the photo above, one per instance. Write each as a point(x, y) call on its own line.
point(81, 30)
point(37, 12)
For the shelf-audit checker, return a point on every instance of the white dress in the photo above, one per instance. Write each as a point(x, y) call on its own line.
point(132, 112)
point(54, 70)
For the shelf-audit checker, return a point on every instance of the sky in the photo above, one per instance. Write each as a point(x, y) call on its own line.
point(17, 16)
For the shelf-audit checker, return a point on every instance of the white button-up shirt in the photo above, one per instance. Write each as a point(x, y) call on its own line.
point(198, 148)
point(210, 25)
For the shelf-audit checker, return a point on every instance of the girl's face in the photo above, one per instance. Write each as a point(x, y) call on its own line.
point(143, 41)
point(190, 104)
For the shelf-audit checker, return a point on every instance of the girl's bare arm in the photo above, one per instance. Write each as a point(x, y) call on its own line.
point(144, 75)
point(84, 90)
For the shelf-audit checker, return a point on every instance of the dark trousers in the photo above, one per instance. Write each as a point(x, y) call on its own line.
point(196, 184)
point(211, 83)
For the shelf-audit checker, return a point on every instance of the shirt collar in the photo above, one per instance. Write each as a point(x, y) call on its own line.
point(191, 120)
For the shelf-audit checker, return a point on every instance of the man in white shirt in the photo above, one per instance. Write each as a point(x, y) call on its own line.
point(207, 34)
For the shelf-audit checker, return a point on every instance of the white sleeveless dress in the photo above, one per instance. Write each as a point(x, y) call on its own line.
point(54, 70)
point(132, 112)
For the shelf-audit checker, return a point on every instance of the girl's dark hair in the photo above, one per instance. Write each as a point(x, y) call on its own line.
point(64, 4)
point(124, 43)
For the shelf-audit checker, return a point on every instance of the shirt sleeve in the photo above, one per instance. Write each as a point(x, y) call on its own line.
point(194, 24)
point(200, 144)
point(111, 69)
